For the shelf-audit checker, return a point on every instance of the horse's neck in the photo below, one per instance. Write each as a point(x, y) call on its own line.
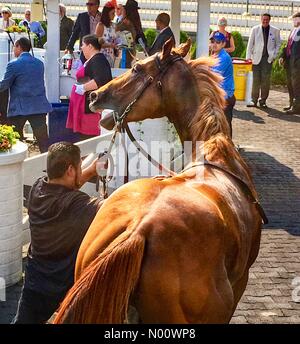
point(220, 151)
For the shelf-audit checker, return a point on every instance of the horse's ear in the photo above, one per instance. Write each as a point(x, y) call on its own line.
point(184, 48)
point(167, 48)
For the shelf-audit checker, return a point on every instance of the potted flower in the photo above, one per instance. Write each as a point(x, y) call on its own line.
point(8, 137)
point(15, 28)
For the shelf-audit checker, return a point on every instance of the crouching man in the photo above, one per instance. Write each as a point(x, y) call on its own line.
point(59, 216)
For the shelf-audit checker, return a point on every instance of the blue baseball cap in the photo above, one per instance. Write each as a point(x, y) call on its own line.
point(218, 36)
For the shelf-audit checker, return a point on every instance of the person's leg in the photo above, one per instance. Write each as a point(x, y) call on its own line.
point(290, 87)
point(265, 79)
point(256, 82)
point(18, 122)
point(25, 312)
point(35, 308)
point(39, 128)
point(228, 111)
point(3, 107)
point(295, 71)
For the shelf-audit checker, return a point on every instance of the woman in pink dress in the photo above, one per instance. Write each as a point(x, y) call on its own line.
point(94, 73)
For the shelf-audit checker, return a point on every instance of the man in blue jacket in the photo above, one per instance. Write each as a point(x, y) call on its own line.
point(225, 68)
point(24, 77)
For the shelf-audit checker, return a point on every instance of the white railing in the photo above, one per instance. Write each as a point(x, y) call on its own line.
point(234, 10)
point(35, 167)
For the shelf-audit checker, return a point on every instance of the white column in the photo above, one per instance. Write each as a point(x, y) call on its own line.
point(203, 23)
point(52, 51)
point(175, 19)
point(11, 213)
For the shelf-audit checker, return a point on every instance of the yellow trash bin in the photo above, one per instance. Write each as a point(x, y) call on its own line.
point(241, 67)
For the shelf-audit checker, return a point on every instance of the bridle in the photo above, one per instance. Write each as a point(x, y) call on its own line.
point(162, 69)
point(122, 126)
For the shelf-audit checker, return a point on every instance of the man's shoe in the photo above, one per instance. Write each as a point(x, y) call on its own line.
point(293, 111)
point(287, 108)
point(263, 105)
point(252, 104)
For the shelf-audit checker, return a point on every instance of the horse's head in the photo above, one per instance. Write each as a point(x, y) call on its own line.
point(143, 90)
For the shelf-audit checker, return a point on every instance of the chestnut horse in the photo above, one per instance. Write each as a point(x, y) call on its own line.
point(176, 249)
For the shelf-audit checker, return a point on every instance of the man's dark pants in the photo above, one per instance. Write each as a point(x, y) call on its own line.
point(35, 308)
point(295, 78)
point(261, 80)
point(289, 81)
point(230, 102)
point(3, 107)
point(38, 125)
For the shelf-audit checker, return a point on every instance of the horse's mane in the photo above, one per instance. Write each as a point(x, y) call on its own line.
point(209, 118)
point(209, 123)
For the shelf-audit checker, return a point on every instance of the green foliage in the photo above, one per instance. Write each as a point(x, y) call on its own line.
point(8, 137)
point(243, 55)
point(239, 44)
point(150, 35)
point(193, 50)
point(183, 36)
point(278, 76)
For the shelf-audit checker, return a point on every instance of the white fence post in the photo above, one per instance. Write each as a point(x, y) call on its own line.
point(11, 213)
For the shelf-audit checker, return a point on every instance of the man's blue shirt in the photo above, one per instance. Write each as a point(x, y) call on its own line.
point(225, 68)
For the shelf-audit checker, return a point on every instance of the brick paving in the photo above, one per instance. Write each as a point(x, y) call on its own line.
point(270, 143)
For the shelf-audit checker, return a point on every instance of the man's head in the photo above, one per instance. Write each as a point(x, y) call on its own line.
point(162, 21)
point(21, 45)
point(296, 19)
point(92, 6)
point(62, 10)
point(265, 19)
point(120, 10)
point(222, 22)
point(217, 42)
point(27, 14)
point(64, 164)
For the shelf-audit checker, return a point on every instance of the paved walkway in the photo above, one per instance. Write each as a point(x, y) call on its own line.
point(271, 142)
point(271, 145)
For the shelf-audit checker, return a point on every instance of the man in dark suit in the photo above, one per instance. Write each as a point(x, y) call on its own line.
point(85, 24)
point(291, 61)
point(165, 33)
point(66, 27)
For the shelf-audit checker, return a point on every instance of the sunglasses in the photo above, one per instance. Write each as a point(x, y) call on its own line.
point(91, 4)
point(216, 41)
point(4, 12)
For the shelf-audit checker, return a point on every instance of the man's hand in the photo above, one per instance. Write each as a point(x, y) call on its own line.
point(79, 89)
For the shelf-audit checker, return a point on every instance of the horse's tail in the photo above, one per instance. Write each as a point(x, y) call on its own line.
point(101, 295)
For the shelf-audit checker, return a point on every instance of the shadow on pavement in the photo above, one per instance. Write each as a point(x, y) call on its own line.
point(278, 189)
point(248, 116)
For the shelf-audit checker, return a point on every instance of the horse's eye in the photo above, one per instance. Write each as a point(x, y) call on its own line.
point(136, 69)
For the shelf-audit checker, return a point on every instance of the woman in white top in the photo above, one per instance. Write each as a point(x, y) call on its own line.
point(6, 20)
point(106, 29)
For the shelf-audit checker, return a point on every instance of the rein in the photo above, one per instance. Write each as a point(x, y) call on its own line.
point(122, 127)
point(246, 189)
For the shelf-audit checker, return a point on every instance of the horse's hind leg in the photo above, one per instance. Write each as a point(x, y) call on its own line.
point(166, 295)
